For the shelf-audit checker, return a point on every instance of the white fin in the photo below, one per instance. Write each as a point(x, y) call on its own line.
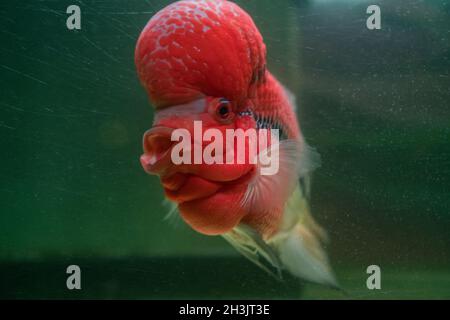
point(309, 160)
point(250, 244)
point(291, 98)
point(304, 258)
point(172, 215)
point(267, 192)
point(296, 247)
point(299, 244)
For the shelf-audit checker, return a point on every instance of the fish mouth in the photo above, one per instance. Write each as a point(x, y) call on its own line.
point(157, 145)
point(187, 182)
point(184, 188)
point(157, 160)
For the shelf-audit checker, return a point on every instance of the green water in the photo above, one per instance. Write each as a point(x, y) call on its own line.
point(375, 104)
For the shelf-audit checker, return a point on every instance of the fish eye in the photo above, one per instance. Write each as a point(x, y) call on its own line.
point(223, 109)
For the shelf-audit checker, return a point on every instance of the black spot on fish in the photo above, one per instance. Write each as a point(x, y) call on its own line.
point(270, 123)
point(258, 76)
point(266, 123)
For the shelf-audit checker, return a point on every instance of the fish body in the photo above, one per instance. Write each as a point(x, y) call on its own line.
point(204, 61)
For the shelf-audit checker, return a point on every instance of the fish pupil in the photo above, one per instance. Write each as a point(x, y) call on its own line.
point(224, 110)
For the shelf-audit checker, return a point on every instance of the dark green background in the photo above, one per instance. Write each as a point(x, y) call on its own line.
point(375, 104)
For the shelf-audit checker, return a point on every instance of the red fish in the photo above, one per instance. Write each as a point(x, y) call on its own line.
point(205, 61)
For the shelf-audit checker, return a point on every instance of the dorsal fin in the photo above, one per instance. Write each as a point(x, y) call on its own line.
point(291, 98)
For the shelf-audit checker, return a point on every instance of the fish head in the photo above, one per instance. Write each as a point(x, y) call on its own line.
point(209, 181)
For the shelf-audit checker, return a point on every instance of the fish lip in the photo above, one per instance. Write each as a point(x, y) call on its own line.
point(154, 162)
point(154, 167)
point(244, 179)
point(173, 182)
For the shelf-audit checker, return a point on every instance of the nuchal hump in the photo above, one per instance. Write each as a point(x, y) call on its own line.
point(200, 48)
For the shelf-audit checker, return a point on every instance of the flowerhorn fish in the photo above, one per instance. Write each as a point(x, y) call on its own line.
point(225, 140)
